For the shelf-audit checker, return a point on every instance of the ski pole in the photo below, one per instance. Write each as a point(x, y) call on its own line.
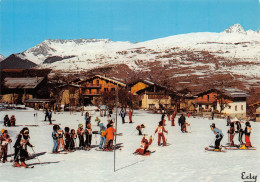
point(36, 155)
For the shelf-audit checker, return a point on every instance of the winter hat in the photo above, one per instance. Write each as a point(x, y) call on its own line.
point(213, 125)
point(247, 123)
point(26, 131)
point(80, 125)
point(3, 130)
point(67, 129)
point(161, 123)
point(101, 125)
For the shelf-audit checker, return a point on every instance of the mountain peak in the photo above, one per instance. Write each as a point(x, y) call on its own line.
point(237, 28)
point(1, 57)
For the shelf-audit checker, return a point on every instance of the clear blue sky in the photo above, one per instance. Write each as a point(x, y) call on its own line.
point(26, 23)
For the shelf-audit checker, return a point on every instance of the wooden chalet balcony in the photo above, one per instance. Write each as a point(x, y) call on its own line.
point(93, 86)
point(91, 94)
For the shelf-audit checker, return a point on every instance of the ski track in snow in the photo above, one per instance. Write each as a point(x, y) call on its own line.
point(184, 160)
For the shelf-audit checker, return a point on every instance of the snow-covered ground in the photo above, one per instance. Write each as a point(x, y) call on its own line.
point(184, 160)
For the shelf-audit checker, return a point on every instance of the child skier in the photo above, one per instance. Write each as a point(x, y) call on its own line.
point(173, 118)
point(80, 133)
point(219, 136)
point(109, 133)
point(60, 138)
point(184, 127)
point(139, 128)
point(73, 139)
point(21, 147)
point(4, 141)
point(247, 132)
point(12, 120)
point(130, 114)
point(143, 150)
point(231, 133)
point(102, 138)
point(160, 129)
point(7, 121)
point(88, 132)
point(55, 137)
point(239, 130)
point(122, 114)
point(68, 138)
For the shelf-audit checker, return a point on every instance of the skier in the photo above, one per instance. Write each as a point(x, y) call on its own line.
point(239, 130)
point(160, 129)
point(169, 116)
point(109, 133)
point(73, 139)
point(102, 138)
point(7, 121)
point(87, 119)
point(98, 121)
point(80, 133)
point(68, 138)
point(212, 115)
point(247, 132)
point(55, 137)
point(50, 116)
point(122, 114)
point(163, 120)
point(143, 150)
point(139, 128)
point(88, 132)
point(60, 138)
point(21, 147)
point(12, 120)
point(182, 121)
point(173, 118)
point(219, 136)
point(231, 133)
point(4, 141)
point(130, 114)
point(46, 114)
point(228, 120)
point(184, 127)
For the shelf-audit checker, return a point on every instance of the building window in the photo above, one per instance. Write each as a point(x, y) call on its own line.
point(229, 107)
point(106, 89)
point(97, 91)
point(113, 89)
point(208, 97)
point(90, 91)
point(235, 108)
point(206, 107)
point(97, 82)
point(91, 82)
point(242, 107)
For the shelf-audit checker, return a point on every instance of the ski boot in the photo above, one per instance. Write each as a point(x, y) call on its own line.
point(24, 165)
point(242, 146)
point(16, 164)
point(217, 150)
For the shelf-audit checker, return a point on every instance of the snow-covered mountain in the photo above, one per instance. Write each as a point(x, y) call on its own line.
point(1, 57)
point(234, 51)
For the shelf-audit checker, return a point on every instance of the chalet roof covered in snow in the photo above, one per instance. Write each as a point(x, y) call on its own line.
point(105, 78)
point(22, 83)
point(234, 92)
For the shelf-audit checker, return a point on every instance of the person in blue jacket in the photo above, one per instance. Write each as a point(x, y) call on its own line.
point(102, 138)
point(122, 114)
point(219, 135)
point(55, 136)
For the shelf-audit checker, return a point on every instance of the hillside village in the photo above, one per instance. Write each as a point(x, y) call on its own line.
point(42, 89)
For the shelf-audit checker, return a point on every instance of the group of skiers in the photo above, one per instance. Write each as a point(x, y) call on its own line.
point(9, 122)
point(84, 136)
point(20, 147)
point(235, 128)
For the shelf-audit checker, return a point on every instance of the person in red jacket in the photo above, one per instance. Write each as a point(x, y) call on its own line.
point(109, 133)
point(143, 150)
point(173, 118)
point(231, 133)
point(130, 114)
point(160, 129)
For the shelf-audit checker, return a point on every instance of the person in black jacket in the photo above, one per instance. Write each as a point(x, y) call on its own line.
point(239, 130)
point(21, 147)
point(182, 121)
point(7, 121)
